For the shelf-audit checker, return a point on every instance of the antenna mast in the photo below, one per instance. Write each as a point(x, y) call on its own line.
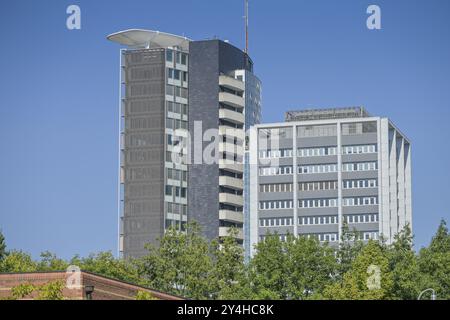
point(246, 26)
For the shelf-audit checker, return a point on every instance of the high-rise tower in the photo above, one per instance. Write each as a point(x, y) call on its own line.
point(177, 97)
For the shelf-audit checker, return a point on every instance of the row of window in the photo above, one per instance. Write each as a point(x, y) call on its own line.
point(360, 201)
point(176, 208)
point(371, 148)
point(326, 130)
point(361, 218)
point(175, 174)
point(323, 237)
point(178, 192)
point(276, 204)
point(180, 57)
point(275, 171)
point(176, 124)
point(320, 220)
point(176, 74)
point(318, 203)
point(275, 187)
point(319, 185)
point(360, 166)
point(317, 220)
point(326, 237)
point(318, 168)
point(281, 153)
point(358, 184)
point(276, 222)
point(176, 91)
point(174, 107)
point(317, 152)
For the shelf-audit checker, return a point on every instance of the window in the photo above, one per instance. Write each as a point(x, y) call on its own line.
point(322, 168)
point(169, 55)
point(275, 204)
point(359, 149)
point(316, 152)
point(317, 186)
point(184, 59)
point(282, 153)
point(277, 187)
point(360, 201)
point(321, 220)
point(176, 74)
point(359, 184)
point(359, 166)
point(272, 171)
point(317, 131)
point(168, 190)
point(276, 222)
point(317, 203)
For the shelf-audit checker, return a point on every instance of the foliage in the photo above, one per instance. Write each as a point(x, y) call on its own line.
point(18, 261)
point(51, 291)
point(407, 278)
point(145, 295)
point(181, 264)
point(105, 264)
point(186, 264)
point(50, 262)
point(22, 290)
point(2, 246)
point(228, 272)
point(434, 263)
point(356, 283)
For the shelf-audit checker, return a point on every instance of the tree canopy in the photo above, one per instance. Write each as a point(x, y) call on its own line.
point(186, 264)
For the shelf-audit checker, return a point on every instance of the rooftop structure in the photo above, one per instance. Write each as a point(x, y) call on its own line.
point(325, 114)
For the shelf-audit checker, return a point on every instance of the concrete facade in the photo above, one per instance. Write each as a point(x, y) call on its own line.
point(310, 177)
point(173, 89)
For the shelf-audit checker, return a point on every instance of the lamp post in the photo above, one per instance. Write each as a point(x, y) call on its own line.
point(433, 294)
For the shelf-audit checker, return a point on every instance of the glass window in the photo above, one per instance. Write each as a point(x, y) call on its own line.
point(169, 55)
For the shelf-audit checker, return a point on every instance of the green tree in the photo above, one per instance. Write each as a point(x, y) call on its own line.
point(105, 264)
point(145, 295)
point(268, 270)
point(2, 247)
point(51, 291)
point(228, 273)
point(349, 248)
point(22, 291)
point(181, 264)
point(403, 263)
point(369, 277)
point(434, 263)
point(310, 267)
point(50, 262)
point(18, 261)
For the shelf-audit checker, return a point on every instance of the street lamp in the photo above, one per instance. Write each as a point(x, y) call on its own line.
point(433, 294)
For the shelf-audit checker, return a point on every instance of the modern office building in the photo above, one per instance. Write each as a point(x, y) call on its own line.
point(179, 100)
point(224, 96)
point(325, 168)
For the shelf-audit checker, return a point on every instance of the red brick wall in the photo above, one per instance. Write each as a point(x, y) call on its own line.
point(104, 288)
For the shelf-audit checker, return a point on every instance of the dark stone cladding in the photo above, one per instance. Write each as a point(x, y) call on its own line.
point(207, 60)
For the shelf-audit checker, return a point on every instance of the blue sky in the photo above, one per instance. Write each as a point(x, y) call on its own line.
point(59, 93)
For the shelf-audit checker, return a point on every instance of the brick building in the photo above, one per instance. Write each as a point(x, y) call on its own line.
point(79, 286)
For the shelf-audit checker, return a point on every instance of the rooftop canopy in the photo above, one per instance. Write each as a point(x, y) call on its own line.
point(139, 38)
